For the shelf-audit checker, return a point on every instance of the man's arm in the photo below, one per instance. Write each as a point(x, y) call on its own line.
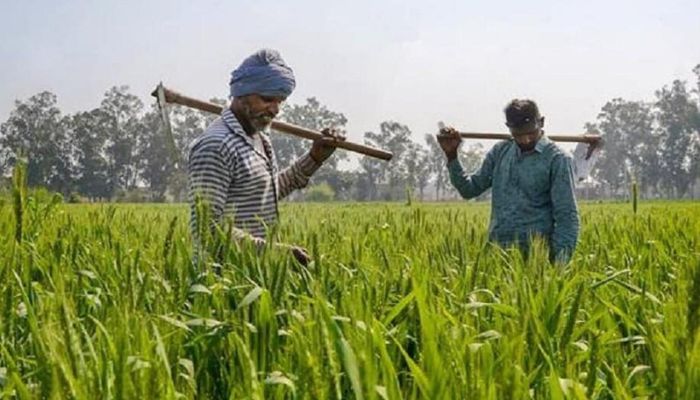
point(470, 186)
point(296, 176)
point(564, 210)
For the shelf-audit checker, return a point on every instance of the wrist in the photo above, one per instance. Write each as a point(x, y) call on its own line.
point(316, 158)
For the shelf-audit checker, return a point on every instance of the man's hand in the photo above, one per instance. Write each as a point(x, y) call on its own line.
point(449, 140)
point(300, 254)
point(321, 149)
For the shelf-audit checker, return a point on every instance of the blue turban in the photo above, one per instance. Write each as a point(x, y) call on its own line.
point(264, 73)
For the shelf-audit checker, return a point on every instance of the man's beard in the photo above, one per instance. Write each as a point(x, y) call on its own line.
point(259, 121)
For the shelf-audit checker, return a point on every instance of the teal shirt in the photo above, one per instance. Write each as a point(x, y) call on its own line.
point(532, 194)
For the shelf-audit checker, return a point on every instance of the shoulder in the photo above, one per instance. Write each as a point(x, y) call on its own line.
point(555, 152)
point(217, 139)
point(499, 148)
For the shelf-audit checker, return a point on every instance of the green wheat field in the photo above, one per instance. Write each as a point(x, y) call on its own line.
point(402, 302)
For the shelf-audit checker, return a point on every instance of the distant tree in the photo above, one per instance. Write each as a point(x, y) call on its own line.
point(89, 133)
point(631, 146)
point(311, 115)
point(438, 165)
point(418, 171)
point(695, 152)
point(677, 116)
point(37, 130)
point(158, 161)
point(316, 116)
point(394, 137)
point(122, 112)
point(5, 155)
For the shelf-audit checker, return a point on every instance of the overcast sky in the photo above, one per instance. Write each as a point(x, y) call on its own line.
point(416, 62)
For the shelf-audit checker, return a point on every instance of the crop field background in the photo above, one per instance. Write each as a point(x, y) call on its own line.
point(402, 302)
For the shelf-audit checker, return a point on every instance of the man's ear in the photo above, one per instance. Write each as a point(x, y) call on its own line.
point(541, 122)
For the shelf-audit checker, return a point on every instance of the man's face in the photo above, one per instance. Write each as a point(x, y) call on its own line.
point(527, 141)
point(261, 110)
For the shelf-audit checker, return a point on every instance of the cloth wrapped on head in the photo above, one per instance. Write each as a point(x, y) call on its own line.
point(264, 73)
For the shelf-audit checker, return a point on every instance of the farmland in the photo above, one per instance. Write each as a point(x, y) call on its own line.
point(402, 302)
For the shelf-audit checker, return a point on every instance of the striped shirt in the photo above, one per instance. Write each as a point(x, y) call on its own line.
point(239, 182)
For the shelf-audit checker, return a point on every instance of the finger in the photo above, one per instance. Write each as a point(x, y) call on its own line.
point(340, 135)
point(329, 139)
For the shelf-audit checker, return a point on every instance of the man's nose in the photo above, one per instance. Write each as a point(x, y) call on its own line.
point(274, 108)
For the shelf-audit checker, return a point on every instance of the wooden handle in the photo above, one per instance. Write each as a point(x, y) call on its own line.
point(557, 138)
point(177, 98)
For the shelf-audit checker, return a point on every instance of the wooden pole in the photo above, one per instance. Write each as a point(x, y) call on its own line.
point(172, 96)
point(557, 138)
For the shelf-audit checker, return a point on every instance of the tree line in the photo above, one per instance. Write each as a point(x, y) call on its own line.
point(119, 150)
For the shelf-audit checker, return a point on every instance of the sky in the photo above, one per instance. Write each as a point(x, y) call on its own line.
point(415, 62)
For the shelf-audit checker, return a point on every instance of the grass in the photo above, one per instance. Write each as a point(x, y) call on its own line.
point(402, 302)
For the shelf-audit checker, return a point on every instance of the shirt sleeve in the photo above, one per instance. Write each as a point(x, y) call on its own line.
point(296, 176)
point(564, 209)
point(470, 186)
point(209, 171)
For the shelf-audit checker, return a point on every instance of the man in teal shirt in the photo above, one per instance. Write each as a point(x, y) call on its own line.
point(532, 183)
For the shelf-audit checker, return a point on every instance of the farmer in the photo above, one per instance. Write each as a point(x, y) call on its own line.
point(532, 184)
point(232, 166)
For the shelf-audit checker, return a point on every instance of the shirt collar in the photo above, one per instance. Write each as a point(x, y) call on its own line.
point(539, 146)
point(236, 128)
point(232, 122)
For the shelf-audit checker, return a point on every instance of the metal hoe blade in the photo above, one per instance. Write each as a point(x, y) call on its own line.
point(162, 106)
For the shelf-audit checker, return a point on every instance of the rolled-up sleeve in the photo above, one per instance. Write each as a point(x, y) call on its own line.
point(297, 175)
point(470, 186)
point(564, 209)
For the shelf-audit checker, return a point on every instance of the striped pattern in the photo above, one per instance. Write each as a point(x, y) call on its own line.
point(239, 182)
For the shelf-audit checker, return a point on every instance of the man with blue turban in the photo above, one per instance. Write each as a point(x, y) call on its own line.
point(232, 166)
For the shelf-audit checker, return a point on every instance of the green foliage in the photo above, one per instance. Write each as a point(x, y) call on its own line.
point(321, 193)
point(104, 301)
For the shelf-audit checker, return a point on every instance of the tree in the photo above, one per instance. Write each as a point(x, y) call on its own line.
point(158, 161)
point(91, 173)
point(417, 168)
point(438, 165)
point(5, 155)
point(677, 114)
point(615, 123)
point(122, 112)
point(395, 138)
point(631, 146)
point(36, 130)
point(313, 115)
point(695, 151)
